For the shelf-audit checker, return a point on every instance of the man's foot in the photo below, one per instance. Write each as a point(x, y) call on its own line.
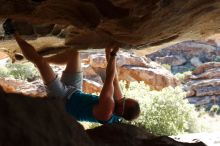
point(8, 27)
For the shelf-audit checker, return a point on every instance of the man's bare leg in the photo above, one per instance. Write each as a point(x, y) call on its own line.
point(30, 54)
point(72, 75)
point(73, 62)
point(59, 59)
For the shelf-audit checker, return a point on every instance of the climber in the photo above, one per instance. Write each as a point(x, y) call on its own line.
point(109, 107)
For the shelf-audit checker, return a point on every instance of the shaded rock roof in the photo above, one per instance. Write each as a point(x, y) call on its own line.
point(127, 23)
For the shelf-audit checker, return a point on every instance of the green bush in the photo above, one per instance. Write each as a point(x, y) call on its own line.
point(23, 71)
point(167, 66)
point(214, 110)
point(181, 76)
point(163, 112)
point(4, 72)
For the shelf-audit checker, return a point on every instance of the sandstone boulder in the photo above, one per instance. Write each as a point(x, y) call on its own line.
point(97, 61)
point(91, 74)
point(127, 135)
point(185, 56)
point(33, 89)
point(156, 78)
point(90, 86)
point(171, 60)
point(203, 85)
point(206, 87)
point(195, 61)
point(187, 49)
point(37, 121)
point(205, 67)
point(208, 74)
point(133, 68)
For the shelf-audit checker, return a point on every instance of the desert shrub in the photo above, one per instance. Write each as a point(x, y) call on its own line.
point(181, 76)
point(163, 112)
point(23, 71)
point(167, 66)
point(214, 110)
point(4, 72)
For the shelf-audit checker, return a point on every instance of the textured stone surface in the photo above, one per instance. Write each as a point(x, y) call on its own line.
point(206, 66)
point(195, 61)
point(203, 85)
point(133, 68)
point(37, 121)
point(172, 60)
point(186, 56)
point(127, 135)
point(90, 86)
point(156, 78)
point(127, 23)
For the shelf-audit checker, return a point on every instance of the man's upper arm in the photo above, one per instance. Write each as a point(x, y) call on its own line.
point(104, 112)
point(104, 109)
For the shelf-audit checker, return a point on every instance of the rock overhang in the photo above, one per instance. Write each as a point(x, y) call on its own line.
point(128, 24)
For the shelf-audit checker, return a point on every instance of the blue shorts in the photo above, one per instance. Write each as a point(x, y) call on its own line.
point(66, 86)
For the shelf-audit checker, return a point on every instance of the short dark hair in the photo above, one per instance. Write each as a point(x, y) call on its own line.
point(132, 111)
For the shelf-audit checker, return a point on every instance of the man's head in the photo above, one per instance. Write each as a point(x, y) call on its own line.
point(127, 108)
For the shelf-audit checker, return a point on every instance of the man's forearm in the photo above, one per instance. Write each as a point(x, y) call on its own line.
point(110, 69)
point(117, 91)
point(105, 107)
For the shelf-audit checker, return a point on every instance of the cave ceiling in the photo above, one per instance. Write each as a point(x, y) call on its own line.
point(137, 24)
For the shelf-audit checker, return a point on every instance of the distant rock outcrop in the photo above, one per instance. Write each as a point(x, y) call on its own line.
point(133, 68)
point(203, 86)
point(186, 56)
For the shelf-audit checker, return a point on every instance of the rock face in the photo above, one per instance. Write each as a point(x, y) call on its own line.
point(203, 85)
point(127, 135)
point(37, 121)
point(35, 88)
point(186, 55)
point(172, 60)
point(128, 23)
point(132, 68)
